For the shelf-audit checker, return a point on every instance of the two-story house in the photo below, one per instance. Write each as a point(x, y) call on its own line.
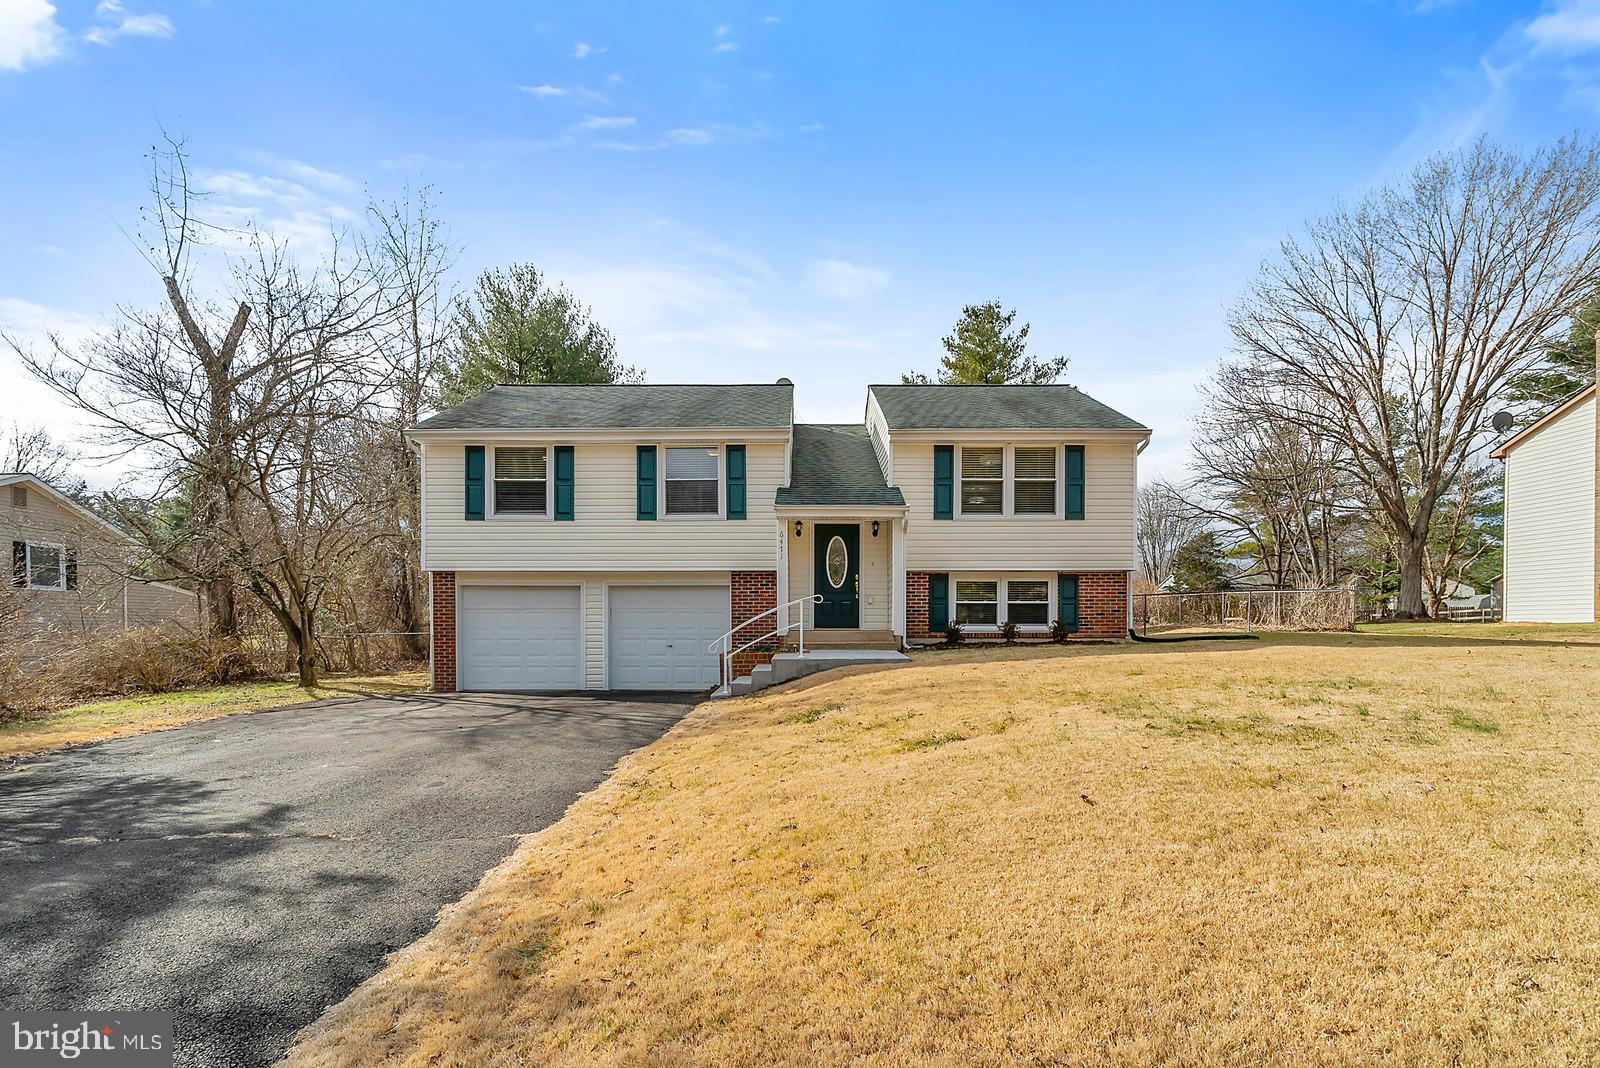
point(609, 537)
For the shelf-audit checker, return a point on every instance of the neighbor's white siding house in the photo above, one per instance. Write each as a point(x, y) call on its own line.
point(1550, 517)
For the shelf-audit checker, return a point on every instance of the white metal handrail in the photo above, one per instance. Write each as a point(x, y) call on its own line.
point(725, 642)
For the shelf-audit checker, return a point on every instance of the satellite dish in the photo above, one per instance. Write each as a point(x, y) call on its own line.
point(1503, 421)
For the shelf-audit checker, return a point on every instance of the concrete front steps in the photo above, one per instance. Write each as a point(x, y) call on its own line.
point(794, 665)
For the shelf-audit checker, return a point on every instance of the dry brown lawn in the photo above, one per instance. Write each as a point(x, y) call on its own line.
point(1325, 850)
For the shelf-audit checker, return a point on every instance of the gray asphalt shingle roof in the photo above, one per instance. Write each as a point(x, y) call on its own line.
point(512, 407)
point(996, 408)
point(833, 463)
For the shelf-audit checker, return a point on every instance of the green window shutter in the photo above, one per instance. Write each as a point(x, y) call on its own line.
point(19, 563)
point(474, 481)
point(647, 481)
point(564, 482)
point(735, 462)
point(1067, 601)
point(938, 602)
point(944, 480)
point(1074, 481)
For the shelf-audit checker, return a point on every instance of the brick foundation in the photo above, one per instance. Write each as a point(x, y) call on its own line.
point(752, 592)
point(443, 584)
point(1102, 606)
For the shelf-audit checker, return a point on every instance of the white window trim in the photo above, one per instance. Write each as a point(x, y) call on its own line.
point(1001, 579)
point(549, 483)
point(722, 483)
point(1008, 483)
point(61, 564)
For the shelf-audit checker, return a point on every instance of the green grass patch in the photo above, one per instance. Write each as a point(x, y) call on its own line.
point(1469, 722)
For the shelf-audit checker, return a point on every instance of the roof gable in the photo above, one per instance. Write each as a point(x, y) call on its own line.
point(1019, 407)
point(1499, 453)
point(23, 478)
point(768, 406)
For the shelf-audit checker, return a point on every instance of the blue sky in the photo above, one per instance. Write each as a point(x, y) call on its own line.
point(749, 191)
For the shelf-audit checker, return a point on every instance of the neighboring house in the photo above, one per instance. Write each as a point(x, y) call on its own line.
point(604, 537)
point(1552, 517)
point(70, 569)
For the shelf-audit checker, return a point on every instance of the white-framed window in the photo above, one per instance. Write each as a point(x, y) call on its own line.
point(982, 602)
point(983, 480)
point(691, 483)
point(978, 602)
point(1028, 602)
point(1009, 480)
point(47, 566)
point(521, 480)
point(1033, 479)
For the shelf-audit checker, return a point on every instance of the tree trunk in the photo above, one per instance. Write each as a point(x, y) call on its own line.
point(306, 661)
point(222, 616)
point(1409, 604)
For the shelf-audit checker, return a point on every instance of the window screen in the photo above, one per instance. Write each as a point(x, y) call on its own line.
point(1033, 490)
point(520, 485)
point(692, 481)
point(977, 602)
point(983, 481)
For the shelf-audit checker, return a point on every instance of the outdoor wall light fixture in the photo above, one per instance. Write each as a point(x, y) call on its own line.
point(874, 528)
point(797, 528)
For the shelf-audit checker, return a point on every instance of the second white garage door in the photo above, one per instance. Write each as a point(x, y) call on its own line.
point(656, 636)
point(519, 638)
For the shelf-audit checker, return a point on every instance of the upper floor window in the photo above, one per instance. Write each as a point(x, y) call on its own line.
point(691, 480)
point(521, 486)
point(19, 496)
point(47, 567)
point(1033, 488)
point(1009, 480)
point(983, 481)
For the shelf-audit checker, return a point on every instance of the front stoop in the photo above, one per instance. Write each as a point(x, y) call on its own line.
point(786, 667)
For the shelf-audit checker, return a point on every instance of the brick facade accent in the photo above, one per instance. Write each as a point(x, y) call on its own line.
point(1102, 606)
point(752, 592)
point(917, 608)
point(443, 585)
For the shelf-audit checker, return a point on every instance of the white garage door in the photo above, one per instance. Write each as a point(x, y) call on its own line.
point(657, 636)
point(519, 638)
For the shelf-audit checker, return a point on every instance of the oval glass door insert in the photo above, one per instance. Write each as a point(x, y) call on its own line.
point(838, 561)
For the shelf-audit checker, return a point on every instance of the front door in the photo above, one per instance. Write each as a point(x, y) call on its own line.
point(837, 574)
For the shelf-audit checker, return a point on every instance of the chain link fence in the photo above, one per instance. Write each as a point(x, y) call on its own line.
point(1246, 610)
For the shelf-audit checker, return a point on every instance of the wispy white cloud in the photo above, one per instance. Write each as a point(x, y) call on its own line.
point(1568, 27)
point(689, 135)
point(29, 34)
point(726, 46)
point(722, 31)
point(116, 21)
point(844, 280)
point(583, 50)
point(542, 90)
point(772, 20)
point(606, 122)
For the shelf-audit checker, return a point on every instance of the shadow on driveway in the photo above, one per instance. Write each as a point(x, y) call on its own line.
point(246, 872)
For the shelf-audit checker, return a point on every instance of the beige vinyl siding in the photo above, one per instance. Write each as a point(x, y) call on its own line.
point(604, 534)
point(878, 433)
point(876, 567)
point(151, 603)
point(594, 586)
point(1550, 522)
point(1102, 540)
point(97, 602)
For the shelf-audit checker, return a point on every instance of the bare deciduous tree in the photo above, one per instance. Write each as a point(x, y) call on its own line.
point(1163, 524)
point(1393, 327)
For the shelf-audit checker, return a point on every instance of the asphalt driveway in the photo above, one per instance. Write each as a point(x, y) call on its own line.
point(247, 872)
